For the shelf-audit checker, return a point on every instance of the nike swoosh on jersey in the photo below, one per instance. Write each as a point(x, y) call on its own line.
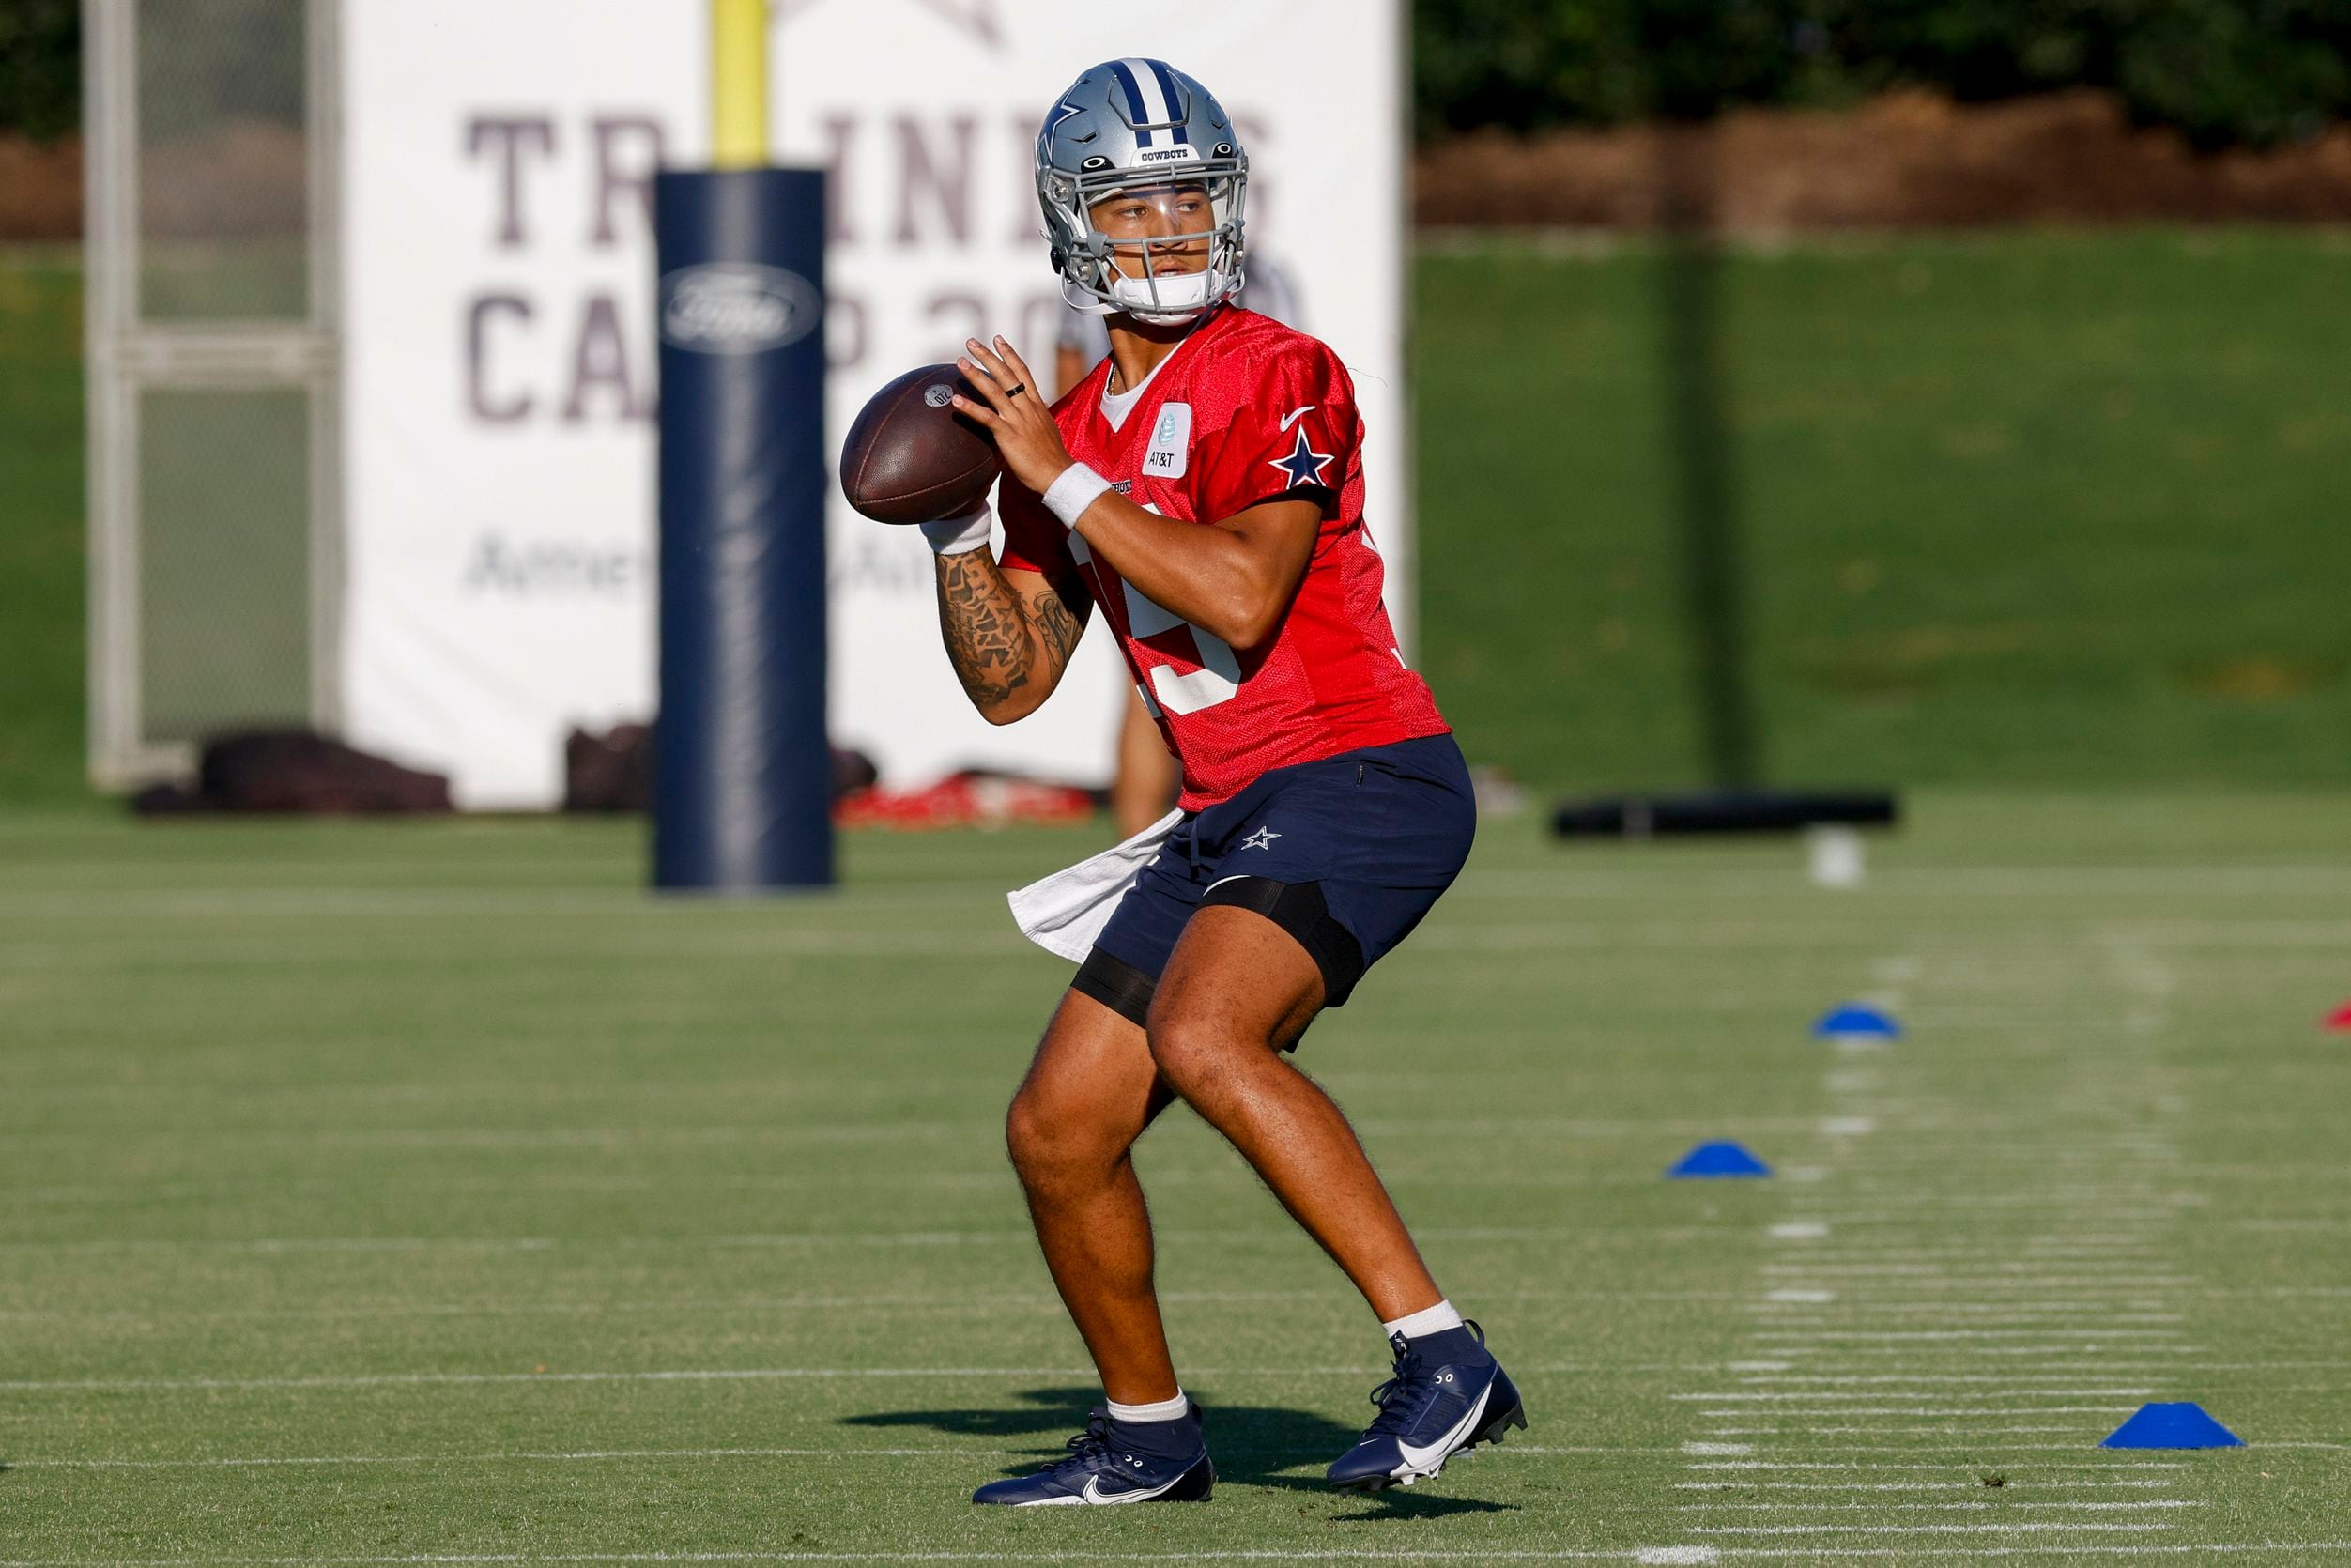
point(1296, 414)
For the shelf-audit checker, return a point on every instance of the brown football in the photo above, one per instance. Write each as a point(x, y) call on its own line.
point(912, 458)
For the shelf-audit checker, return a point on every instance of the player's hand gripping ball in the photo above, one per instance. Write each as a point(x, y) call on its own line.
point(1013, 406)
point(911, 457)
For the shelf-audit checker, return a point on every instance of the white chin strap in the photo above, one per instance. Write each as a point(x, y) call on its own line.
point(1168, 298)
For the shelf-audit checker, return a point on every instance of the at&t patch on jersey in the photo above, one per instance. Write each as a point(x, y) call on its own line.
point(1171, 442)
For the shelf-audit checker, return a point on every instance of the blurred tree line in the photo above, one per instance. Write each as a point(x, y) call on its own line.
point(2223, 71)
point(40, 67)
point(241, 57)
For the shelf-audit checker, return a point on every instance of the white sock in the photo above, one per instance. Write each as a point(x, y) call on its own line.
point(1428, 1320)
point(1166, 1410)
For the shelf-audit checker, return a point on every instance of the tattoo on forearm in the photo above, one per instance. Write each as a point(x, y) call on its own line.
point(1058, 627)
point(987, 636)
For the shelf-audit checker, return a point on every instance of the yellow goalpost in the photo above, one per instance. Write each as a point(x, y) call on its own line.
point(738, 84)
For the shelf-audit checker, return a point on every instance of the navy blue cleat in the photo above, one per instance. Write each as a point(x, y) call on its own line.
point(1447, 1395)
point(1105, 1465)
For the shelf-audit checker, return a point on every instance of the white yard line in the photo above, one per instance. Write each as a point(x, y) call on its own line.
point(1978, 1553)
point(2009, 1275)
point(1969, 1451)
point(929, 1300)
point(693, 1375)
point(1930, 1411)
point(1796, 1312)
point(1895, 1210)
point(1967, 1428)
point(1915, 1335)
point(1900, 1390)
point(2167, 1367)
point(1948, 1465)
point(1634, 1237)
point(725, 1375)
point(1905, 1378)
point(1937, 1430)
point(2087, 1345)
point(1973, 1257)
point(456, 1559)
point(2135, 1504)
point(2046, 1323)
point(601, 1455)
point(1970, 1484)
point(580, 1456)
point(1664, 1556)
point(2035, 1527)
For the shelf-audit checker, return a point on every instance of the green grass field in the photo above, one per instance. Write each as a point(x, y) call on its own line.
point(2022, 508)
point(424, 1193)
point(2042, 509)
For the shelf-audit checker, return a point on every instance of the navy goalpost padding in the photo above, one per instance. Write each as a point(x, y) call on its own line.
point(742, 766)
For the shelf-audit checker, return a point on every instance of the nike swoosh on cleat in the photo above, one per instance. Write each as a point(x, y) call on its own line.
point(1094, 1492)
point(1417, 1459)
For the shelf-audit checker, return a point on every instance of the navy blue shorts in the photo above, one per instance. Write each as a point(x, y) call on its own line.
point(1345, 854)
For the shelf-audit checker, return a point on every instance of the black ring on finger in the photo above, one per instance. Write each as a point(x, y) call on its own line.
point(1017, 391)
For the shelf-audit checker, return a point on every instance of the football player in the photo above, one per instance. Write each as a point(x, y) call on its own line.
point(1203, 489)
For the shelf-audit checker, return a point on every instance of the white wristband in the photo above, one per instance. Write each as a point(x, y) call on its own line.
point(1068, 496)
point(959, 535)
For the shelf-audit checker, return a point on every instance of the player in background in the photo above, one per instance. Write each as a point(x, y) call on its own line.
point(1203, 489)
point(1142, 784)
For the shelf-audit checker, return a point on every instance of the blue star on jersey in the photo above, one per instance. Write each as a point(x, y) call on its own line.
point(1304, 465)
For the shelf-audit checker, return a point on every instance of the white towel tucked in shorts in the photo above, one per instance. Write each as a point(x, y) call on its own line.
point(1064, 913)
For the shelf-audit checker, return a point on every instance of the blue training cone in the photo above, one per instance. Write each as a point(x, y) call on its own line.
point(2182, 1425)
point(1854, 1021)
point(1719, 1160)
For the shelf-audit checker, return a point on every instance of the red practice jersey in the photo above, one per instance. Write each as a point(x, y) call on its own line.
point(1244, 410)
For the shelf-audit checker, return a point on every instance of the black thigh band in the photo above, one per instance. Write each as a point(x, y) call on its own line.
point(1299, 909)
point(1116, 985)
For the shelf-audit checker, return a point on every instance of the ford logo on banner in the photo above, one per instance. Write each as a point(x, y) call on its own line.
point(737, 307)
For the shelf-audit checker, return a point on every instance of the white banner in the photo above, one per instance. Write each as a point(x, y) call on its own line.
point(499, 372)
point(498, 377)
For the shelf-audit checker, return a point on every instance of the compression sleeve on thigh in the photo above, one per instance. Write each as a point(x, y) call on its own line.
point(1116, 985)
point(1297, 908)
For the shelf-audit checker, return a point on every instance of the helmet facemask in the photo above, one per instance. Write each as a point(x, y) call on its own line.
point(1102, 275)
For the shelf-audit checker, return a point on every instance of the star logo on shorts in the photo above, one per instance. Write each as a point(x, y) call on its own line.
point(1261, 838)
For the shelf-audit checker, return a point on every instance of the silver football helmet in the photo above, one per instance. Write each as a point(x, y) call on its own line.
point(1126, 125)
